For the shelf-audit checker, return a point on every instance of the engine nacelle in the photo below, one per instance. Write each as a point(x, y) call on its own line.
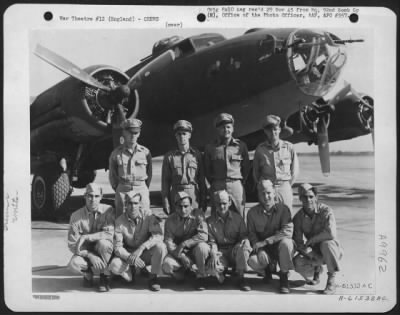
point(76, 111)
point(351, 118)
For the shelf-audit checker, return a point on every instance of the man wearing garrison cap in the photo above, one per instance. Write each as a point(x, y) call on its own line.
point(138, 241)
point(130, 166)
point(227, 163)
point(186, 236)
point(276, 160)
point(182, 170)
point(317, 223)
point(90, 238)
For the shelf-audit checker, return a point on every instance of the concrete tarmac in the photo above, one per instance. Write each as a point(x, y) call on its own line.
point(351, 200)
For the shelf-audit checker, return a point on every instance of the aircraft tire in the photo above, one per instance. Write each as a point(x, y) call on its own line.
point(50, 191)
point(41, 201)
point(60, 191)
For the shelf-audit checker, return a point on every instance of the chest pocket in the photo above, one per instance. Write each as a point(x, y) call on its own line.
point(192, 169)
point(285, 165)
point(177, 166)
point(123, 164)
point(141, 167)
point(235, 160)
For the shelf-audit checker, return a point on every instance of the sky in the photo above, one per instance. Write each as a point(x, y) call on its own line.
point(123, 48)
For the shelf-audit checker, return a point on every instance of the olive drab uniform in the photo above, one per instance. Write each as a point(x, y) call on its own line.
point(130, 170)
point(226, 168)
point(183, 171)
point(278, 164)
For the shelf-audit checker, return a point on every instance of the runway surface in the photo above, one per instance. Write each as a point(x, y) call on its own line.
point(349, 191)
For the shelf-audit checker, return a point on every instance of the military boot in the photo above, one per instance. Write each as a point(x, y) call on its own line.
point(268, 275)
point(330, 284)
point(104, 283)
point(284, 283)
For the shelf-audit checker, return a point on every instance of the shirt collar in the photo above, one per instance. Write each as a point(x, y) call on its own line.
point(100, 210)
point(316, 212)
point(178, 152)
point(271, 211)
point(140, 217)
point(269, 146)
point(233, 141)
point(219, 218)
point(137, 148)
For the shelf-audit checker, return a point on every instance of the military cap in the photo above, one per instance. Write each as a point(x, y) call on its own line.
point(182, 195)
point(131, 123)
point(223, 118)
point(303, 188)
point(271, 121)
point(132, 194)
point(93, 188)
point(183, 125)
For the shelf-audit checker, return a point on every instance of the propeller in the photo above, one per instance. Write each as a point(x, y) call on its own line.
point(111, 98)
point(68, 67)
point(368, 107)
point(323, 144)
point(322, 128)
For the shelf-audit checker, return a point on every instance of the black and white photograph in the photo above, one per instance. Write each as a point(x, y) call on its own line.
point(200, 159)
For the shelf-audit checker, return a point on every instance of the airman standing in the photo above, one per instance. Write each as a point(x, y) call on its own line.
point(276, 160)
point(227, 163)
point(130, 166)
point(182, 170)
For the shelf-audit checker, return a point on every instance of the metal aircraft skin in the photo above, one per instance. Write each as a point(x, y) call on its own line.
point(286, 72)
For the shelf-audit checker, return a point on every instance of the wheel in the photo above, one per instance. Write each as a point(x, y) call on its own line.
point(40, 195)
point(60, 191)
point(50, 190)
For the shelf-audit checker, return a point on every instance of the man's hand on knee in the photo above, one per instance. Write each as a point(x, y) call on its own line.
point(97, 263)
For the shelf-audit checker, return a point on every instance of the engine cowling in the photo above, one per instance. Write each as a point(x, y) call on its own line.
point(76, 111)
point(351, 118)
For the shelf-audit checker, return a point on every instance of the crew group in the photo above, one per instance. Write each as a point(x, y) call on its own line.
point(124, 240)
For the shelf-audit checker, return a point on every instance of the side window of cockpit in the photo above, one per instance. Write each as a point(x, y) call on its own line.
point(266, 47)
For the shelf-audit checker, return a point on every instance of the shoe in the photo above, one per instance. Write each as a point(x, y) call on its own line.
point(154, 285)
point(268, 276)
point(330, 284)
point(243, 285)
point(315, 280)
point(104, 283)
point(88, 279)
point(200, 284)
point(284, 283)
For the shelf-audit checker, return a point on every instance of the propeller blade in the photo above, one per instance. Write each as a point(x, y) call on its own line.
point(323, 146)
point(68, 67)
point(157, 64)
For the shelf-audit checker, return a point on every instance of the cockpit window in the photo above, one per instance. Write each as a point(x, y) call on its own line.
point(315, 61)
